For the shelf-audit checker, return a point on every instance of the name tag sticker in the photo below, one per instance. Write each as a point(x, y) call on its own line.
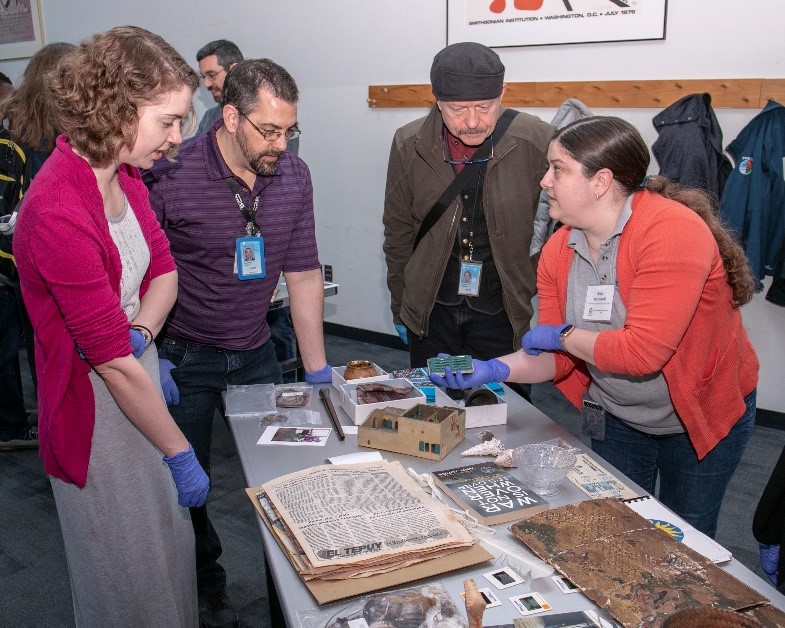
point(599, 303)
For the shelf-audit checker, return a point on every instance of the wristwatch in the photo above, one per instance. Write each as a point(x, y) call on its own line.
point(564, 333)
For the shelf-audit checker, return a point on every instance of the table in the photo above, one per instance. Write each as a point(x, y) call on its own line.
point(525, 424)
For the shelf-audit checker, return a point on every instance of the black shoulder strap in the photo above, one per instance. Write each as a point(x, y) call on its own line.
point(462, 178)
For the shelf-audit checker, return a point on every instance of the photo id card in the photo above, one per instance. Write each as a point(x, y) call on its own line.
point(530, 603)
point(249, 258)
point(488, 596)
point(469, 281)
point(503, 578)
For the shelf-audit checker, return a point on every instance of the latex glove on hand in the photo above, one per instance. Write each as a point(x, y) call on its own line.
point(322, 376)
point(190, 479)
point(403, 333)
point(769, 560)
point(171, 393)
point(543, 338)
point(138, 343)
point(484, 372)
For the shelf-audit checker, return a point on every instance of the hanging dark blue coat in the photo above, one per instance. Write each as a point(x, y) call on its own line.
point(753, 203)
point(689, 146)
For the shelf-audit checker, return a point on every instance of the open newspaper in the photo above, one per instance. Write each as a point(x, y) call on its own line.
point(356, 520)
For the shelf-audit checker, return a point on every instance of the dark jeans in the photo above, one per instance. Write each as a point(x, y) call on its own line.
point(280, 322)
point(691, 488)
point(459, 330)
point(202, 374)
point(13, 416)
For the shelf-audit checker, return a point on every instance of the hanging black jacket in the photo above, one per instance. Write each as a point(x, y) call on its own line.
point(689, 147)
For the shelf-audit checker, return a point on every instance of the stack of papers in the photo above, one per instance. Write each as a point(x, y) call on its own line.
point(357, 520)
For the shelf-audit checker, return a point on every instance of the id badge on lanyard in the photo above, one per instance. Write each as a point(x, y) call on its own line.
point(249, 249)
point(249, 258)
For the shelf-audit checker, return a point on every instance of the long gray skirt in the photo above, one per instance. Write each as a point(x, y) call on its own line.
point(130, 546)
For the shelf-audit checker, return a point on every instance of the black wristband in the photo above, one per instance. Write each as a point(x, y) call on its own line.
point(146, 333)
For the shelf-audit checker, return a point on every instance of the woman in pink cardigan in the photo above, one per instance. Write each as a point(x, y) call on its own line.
point(98, 281)
point(639, 321)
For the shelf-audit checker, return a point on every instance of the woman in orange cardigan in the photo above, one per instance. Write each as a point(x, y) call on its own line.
point(639, 321)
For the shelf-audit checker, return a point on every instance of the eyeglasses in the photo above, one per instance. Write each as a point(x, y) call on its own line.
point(273, 134)
point(212, 75)
point(461, 162)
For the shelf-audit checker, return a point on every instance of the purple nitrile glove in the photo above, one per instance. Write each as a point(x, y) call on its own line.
point(769, 560)
point(543, 338)
point(137, 343)
point(169, 388)
point(190, 479)
point(322, 376)
point(484, 372)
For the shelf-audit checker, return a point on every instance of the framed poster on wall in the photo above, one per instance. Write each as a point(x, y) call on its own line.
point(501, 23)
point(21, 28)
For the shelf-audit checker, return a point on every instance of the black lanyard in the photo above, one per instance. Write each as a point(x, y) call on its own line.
point(251, 228)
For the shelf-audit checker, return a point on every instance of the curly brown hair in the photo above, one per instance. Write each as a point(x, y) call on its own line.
point(608, 142)
point(30, 109)
point(100, 86)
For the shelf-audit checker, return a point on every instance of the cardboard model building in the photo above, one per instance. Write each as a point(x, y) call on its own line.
point(429, 432)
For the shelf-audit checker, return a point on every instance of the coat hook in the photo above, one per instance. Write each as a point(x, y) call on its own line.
point(372, 102)
point(678, 85)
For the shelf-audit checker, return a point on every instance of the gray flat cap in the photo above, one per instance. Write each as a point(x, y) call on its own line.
point(467, 71)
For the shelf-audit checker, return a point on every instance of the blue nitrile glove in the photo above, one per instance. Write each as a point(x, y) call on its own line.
point(543, 338)
point(403, 333)
point(137, 343)
point(322, 376)
point(770, 560)
point(171, 394)
point(484, 372)
point(190, 479)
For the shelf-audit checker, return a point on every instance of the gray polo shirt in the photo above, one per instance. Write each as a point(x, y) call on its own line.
point(643, 402)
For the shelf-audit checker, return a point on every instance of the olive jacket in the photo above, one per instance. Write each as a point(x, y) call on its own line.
point(417, 175)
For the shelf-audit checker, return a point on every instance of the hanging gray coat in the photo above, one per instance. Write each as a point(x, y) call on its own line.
point(570, 110)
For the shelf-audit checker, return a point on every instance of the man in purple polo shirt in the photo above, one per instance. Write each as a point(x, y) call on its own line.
point(232, 188)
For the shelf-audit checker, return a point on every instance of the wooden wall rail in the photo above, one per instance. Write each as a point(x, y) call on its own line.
point(751, 93)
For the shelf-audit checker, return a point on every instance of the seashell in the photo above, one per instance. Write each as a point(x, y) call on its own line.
point(504, 459)
point(492, 447)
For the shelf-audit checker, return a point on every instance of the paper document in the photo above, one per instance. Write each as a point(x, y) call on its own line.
point(678, 528)
point(596, 481)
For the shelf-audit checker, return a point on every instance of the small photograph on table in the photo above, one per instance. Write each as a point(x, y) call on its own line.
point(530, 603)
point(278, 435)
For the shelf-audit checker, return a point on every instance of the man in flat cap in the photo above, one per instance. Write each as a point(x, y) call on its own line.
point(462, 191)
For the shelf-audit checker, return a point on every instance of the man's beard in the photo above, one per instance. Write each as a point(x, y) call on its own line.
point(256, 160)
